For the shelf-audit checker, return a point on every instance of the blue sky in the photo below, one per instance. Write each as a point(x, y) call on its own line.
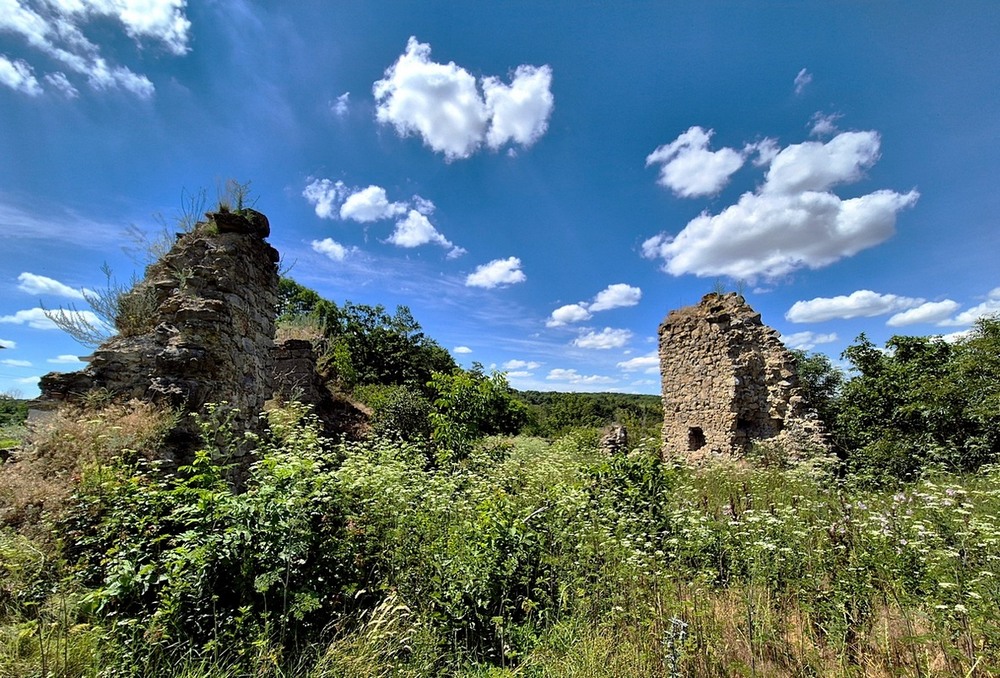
point(539, 182)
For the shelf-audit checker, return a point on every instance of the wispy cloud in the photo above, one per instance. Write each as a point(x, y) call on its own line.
point(57, 30)
point(802, 80)
point(31, 283)
point(11, 362)
point(65, 359)
point(806, 341)
point(58, 225)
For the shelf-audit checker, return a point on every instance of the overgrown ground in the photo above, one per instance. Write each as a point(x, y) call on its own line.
point(521, 557)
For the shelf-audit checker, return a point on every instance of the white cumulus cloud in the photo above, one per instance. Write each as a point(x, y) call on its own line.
point(7, 343)
point(806, 341)
point(370, 204)
point(333, 199)
point(859, 304)
point(325, 196)
point(331, 248)
point(570, 313)
point(650, 364)
point(618, 295)
point(39, 284)
point(792, 221)
point(461, 349)
point(689, 169)
point(988, 308)
point(605, 339)
point(818, 166)
point(928, 312)
point(497, 273)
point(519, 112)
point(416, 230)
point(442, 103)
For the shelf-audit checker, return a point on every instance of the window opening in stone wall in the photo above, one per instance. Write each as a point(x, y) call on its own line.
point(696, 438)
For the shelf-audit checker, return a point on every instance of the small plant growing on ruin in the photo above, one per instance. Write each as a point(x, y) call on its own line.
point(148, 247)
point(182, 276)
point(235, 196)
point(125, 309)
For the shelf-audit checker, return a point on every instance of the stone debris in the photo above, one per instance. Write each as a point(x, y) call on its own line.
point(729, 382)
point(614, 439)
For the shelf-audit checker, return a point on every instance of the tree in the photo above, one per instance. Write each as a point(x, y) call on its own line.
point(469, 405)
point(922, 402)
point(365, 344)
point(822, 382)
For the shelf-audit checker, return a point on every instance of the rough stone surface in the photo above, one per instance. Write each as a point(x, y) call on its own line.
point(210, 335)
point(728, 382)
point(296, 378)
point(614, 439)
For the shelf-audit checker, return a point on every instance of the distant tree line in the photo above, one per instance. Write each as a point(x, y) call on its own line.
point(552, 414)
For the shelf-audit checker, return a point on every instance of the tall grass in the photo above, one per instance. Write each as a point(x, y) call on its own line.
point(527, 558)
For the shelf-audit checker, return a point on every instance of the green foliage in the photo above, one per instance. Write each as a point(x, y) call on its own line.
point(365, 344)
point(922, 403)
point(185, 561)
point(552, 414)
point(13, 411)
point(397, 412)
point(822, 382)
point(469, 405)
point(525, 557)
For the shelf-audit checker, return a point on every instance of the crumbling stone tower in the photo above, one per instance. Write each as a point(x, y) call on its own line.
point(200, 329)
point(728, 381)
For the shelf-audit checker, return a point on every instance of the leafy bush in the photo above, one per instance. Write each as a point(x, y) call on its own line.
point(13, 411)
point(469, 405)
point(397, 412)
point(365, 344)
point(922, 403)
point(522, 557)
point(552, 414)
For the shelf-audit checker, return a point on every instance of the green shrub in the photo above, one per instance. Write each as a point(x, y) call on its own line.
point(397, 412)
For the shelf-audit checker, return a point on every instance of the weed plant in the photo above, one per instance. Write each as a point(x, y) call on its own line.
point(523, 558)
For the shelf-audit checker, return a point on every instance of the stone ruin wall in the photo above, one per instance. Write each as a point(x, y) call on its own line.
point(210, 338)
point(728, 381)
